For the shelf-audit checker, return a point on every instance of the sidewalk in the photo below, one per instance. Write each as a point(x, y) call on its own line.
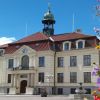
point(35, 97)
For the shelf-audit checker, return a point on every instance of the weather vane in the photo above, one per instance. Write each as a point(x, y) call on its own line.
point(49, 6)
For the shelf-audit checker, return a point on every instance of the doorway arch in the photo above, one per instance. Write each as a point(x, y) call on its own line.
point(23, 85)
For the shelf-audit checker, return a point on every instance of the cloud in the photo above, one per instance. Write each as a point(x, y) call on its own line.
point(5, 40)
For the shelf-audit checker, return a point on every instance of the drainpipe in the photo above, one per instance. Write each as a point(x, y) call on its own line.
point(54, 49)
point(54, 69)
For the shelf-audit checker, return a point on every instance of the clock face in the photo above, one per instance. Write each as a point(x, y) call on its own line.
point(25, 50)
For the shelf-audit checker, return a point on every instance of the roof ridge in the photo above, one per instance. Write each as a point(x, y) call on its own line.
point(59, 34)
point(72, 33)
point(29, 38)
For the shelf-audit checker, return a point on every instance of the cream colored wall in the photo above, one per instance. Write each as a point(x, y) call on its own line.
point(49, 66)
point(3, 71)
point(49, 62)
point(33, 61)
point(79, 68)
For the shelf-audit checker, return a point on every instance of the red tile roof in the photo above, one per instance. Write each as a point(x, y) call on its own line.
point(40, 46)
point(40, 42)
point(34, 37)
point(69, 36)
point(4, 46)
point(36, 46)
point(40, 36)
point(10, 49)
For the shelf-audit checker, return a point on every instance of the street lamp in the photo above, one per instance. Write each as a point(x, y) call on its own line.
point(39, 91)
point(49, 77)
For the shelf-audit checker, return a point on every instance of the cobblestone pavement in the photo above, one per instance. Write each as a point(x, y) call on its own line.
point(29, 97)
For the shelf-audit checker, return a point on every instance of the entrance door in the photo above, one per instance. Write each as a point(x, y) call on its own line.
point(23, 85)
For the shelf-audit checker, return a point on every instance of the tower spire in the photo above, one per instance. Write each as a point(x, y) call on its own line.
point(49, 7)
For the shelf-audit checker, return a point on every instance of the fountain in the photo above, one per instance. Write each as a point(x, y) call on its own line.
point(80, 93)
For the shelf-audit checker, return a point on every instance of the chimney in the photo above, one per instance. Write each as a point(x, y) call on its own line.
point(78, 30)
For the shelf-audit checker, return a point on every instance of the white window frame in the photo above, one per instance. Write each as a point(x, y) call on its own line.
point(65, 43)
point(83, 41)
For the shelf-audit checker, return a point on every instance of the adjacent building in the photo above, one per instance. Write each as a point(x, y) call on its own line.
point(46, 60)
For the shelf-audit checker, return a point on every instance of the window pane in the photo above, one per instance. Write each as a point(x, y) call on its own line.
point(66, 46)
point(80, 44)
point(39, 90)
point(60, 77)
point(88, 91)
point(41, 77)
point(73, 77)
point(60, 90)
point(60, 61)
point(72, 90)
point(87, 60)
point(9, 78)
point(10, 63)
point(87, 77)
point(41, 61)
point(73, 61)
point(25, 62)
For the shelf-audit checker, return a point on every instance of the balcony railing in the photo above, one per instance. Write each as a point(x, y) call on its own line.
point(20, 67)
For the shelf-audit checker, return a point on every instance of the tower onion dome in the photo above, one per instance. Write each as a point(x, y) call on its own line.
point(48, 18)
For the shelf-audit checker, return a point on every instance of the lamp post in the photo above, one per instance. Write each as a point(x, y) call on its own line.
point(49, 78)
point(43, 91)
point(39, 83)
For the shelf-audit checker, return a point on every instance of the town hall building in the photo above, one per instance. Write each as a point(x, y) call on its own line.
point(56, 62)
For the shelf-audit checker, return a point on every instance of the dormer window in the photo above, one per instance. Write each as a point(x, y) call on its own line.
point(80, 44)
point(66, 45)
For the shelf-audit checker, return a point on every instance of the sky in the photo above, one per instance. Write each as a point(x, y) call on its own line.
point(20, 18)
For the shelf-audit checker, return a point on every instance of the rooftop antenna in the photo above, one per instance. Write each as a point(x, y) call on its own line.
point(73, 23)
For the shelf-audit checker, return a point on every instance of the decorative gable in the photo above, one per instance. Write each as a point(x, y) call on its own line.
point(24, 50)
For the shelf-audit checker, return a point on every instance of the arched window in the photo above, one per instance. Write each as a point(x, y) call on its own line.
point(80, 44)
point(25, 62)
point(66, 45)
